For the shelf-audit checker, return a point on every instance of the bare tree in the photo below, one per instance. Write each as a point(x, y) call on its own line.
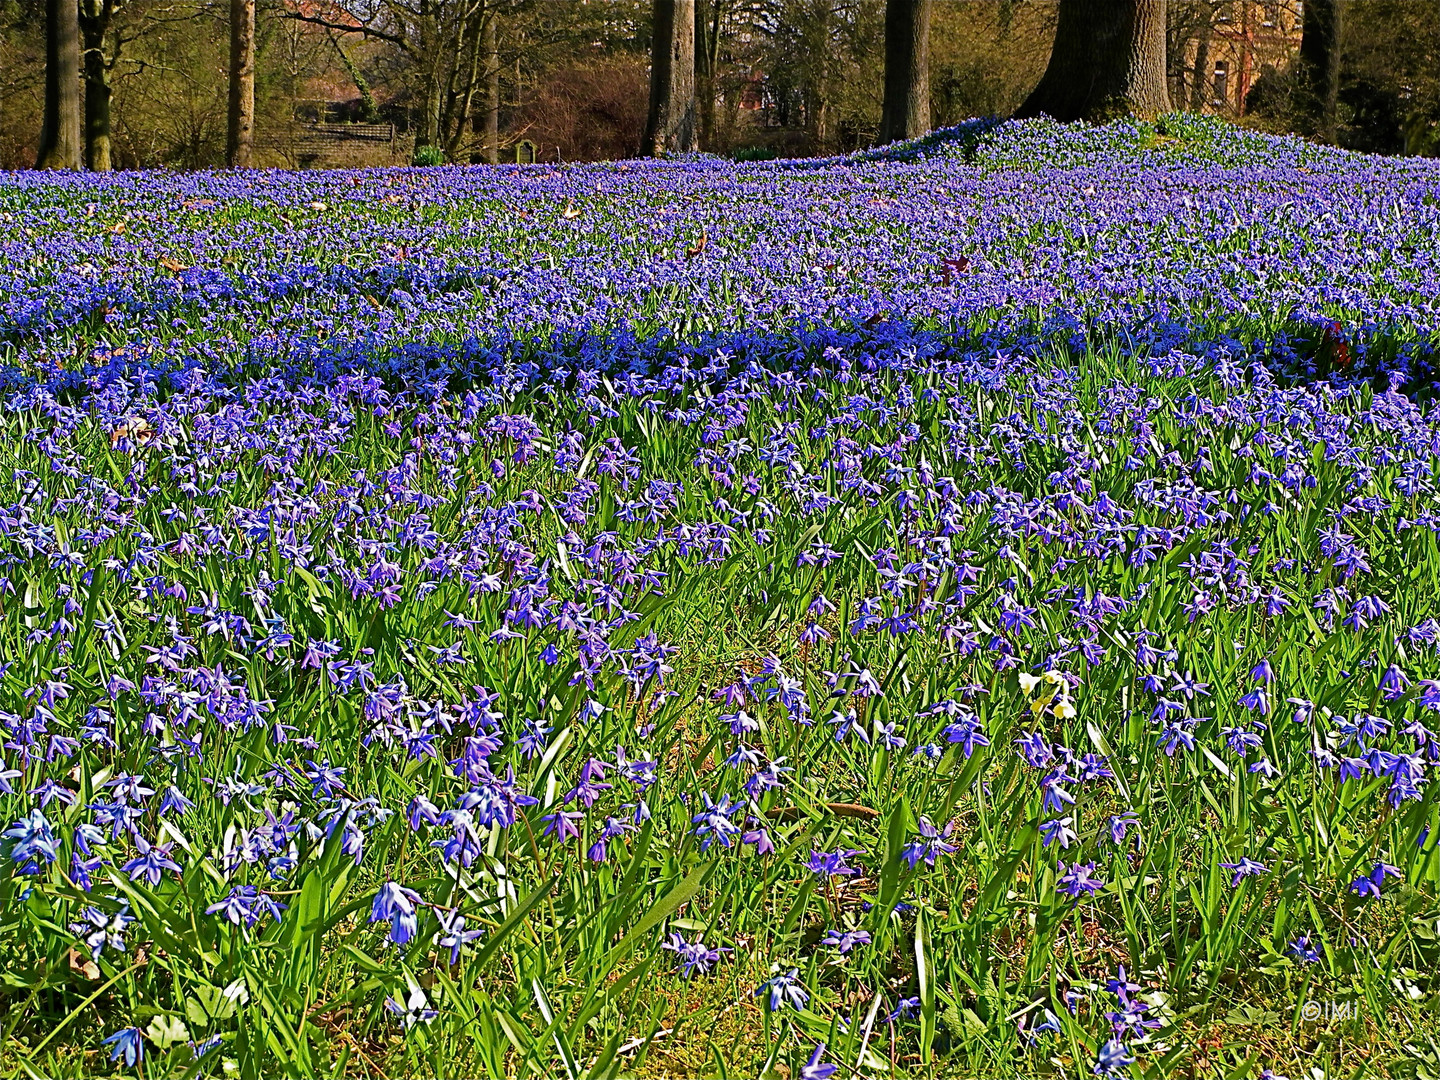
point(670, 124)
point(442, 56)
point(240, 114)
point(905, 113)
point(1108, 60)
point(60, 132)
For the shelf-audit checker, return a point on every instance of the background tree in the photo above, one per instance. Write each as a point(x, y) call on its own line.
point(986, 58)
point(60, 135)
point(492, 89)
point(670, 125)
point(101, 52)
point(1318, 71)
point(240, 112)
point(1108, 60)
point(905, 112)
point(1189, 30)
point(710, 21)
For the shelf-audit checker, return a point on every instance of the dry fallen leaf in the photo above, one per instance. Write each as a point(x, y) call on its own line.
point(953, 268)
point(137, 430)
point(569, 213)
point(82, 965)
point(173, 266)
point(691, 252)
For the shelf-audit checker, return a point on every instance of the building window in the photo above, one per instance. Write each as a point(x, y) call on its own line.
point(1222, 83)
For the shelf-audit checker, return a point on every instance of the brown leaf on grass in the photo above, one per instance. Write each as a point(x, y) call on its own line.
point(569, 213)
point(82, 965)
point(173, 266)
point(837, 809)
point(950, 269)
point(691, 252)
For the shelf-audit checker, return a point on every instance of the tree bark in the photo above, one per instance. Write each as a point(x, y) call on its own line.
point(492, 90)
point(1319, 68)
point(1200, 87)
point(670, 125)
point(709, 15)
point(240, 134)
point(95, 19)
point(905, 110)
point(60, 131)
point(1108, 61)
point(461, 122)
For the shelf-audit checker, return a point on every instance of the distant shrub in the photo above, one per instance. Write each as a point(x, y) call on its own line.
point(428, 155)
point(754, 153)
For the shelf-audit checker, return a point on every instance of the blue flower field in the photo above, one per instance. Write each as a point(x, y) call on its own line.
point(970, 608)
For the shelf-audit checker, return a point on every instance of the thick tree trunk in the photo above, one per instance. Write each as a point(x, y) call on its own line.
point(240, 135)
point(95, 19)
point(1108, 60)
point(60, 132)
point(905, 111)
point(670, 125)
point(492, 90)
point(1319, 69)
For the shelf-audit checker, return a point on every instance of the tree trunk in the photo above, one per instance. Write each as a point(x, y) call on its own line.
point(905, 111)
point(240, 135)
point(461, 122)
point(1200, 87)
point(817, 93)
point(709, 15)
point(60, 132)
point(492, 90)
point(1108, 60)
point(670, 125)
point(1319, 70)
point(95, 17)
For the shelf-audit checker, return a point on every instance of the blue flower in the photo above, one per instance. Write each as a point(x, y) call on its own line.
point(127, 1043)
point(784, 989)
point(693, 955)
point(31, 840)
point(813, 1070)
point(1113, 1057)
point(399, 907)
